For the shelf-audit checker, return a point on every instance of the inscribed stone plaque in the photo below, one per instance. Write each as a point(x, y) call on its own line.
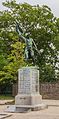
point(24, 81)
point(35, 81)
point(28, 81)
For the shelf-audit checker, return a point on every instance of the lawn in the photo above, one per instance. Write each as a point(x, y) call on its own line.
point(6, 97)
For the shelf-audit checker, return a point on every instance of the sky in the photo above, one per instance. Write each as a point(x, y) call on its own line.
point(53, 4)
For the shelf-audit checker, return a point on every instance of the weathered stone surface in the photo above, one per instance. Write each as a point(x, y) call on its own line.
point(28, 97)
point(28, 80)
point(28, 86)
point(26, 108)
point(48, 90)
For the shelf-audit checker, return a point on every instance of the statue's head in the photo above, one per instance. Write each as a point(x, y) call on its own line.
point(27, 35)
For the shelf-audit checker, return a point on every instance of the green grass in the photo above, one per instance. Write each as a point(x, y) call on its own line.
point(6, 97)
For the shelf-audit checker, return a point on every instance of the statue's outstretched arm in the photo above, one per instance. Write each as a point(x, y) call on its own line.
point(18, 28)
point(22, 38)
point(20, 32)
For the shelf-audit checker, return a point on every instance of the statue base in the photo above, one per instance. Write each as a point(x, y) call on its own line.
point(28, 97)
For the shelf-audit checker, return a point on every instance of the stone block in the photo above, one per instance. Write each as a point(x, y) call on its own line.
point(28, 99)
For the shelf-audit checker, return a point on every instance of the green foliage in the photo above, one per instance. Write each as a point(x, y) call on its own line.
point(47, 74)
point(15, 61)
point(43, 28)
point(3, 62)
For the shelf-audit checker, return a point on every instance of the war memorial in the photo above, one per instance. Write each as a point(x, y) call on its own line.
point(28, 97)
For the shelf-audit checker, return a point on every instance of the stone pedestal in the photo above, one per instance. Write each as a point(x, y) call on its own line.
point(28, 87)
point(28, 97)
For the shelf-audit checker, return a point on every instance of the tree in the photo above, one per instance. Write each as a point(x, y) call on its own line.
point(48, 74)
point(40, 23)
point(15, 61)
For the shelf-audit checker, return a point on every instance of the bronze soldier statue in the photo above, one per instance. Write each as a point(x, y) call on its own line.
point(29, 52)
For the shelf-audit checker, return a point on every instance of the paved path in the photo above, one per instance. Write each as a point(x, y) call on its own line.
point(51, 113)
point(48, 102)
point(51, 102)
point(3, 102)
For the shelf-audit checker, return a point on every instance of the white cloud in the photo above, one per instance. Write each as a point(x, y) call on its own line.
point(53, 4)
